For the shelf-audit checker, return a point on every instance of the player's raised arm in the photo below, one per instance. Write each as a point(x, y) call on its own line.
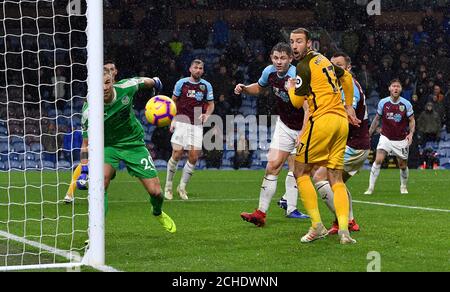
point(296, 100)
point(346, 80)
point(150, 83)
point(252, 89)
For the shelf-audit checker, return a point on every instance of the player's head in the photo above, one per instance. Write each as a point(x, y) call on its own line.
point(342, 60)
point(281, 56)
point(108, 90)
point(110, 66)
point(300, 42)
point(395, 88)
point(197, 69)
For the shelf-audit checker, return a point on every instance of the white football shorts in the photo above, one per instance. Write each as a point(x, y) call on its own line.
point(186, 135)
point(397, 148)
point(354, 160)
point(284, 138)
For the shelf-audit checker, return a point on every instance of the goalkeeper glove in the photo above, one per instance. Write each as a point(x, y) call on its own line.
point(83, 178)
point(158, 84)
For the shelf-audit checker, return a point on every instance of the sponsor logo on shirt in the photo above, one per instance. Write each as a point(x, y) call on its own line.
point(299, 82)
point(126, 100)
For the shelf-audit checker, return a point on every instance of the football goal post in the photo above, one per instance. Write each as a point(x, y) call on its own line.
point(51, 62)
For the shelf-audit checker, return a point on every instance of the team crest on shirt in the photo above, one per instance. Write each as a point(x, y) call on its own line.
point(191, 93)
point(401, 108)
point(126, 100)
point(202, 87)
point(298, 82)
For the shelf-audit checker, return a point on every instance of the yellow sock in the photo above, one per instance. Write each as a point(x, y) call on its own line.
point(73, 183)
point(341, 205)
point(309, 198)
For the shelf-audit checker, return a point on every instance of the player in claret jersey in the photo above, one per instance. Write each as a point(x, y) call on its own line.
point(124, 140)
point(356, 151)
point(287, 130)
point(397, 130)
point(190, 95)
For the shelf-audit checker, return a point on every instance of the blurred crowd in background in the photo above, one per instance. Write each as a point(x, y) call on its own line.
point(233, 52)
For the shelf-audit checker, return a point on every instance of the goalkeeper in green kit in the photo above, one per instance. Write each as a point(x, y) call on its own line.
point(124, 141)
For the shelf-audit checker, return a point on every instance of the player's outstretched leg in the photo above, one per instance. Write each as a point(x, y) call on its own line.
point(289, 200)
point(73, 185)
point(157, 199)
point(171, 170)
point(374, 173)
point(268, 189)
point(404, 174)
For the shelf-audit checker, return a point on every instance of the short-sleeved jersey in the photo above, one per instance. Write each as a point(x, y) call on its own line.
point(358, 137)
point(317, 78)
point(121, 126)
point(289, 115)
point(192, 95)
point(394, 118)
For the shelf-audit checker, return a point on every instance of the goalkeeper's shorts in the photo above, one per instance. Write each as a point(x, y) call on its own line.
point(137, 159)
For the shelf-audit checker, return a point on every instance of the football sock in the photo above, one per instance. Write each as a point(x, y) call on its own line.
point(341, 205)
point(157, 202)
point(404, 173)
point(188, 170)
point(350, 202)
point(268, 189)
point(73, 183)
point(374, 173)
point(309, 198)
point(326, 193)
point(291, 194)
point(171, 169)
point(106, 203)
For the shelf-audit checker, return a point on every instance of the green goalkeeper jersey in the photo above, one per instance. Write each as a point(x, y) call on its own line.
point(121, 126)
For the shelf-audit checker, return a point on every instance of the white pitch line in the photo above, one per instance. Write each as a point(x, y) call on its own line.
point(66, 254)
point(249, 200)
point(401, 206)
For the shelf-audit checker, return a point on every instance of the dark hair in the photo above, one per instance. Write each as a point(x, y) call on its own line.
point(197, 61)
point(395, 80)
point(303, 31)
point(347, 58)
point(109, 61)
point(282, 47)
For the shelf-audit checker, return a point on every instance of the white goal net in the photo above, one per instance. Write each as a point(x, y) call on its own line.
point(43, 85)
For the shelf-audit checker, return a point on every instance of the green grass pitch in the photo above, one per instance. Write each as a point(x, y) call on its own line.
point(211, 236)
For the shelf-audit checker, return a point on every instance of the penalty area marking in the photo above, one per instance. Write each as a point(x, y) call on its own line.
point(250, 200)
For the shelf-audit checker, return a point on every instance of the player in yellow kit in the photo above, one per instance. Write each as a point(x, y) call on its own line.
point(325, 136)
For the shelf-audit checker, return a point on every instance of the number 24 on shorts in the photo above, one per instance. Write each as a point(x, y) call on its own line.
point(148, 163)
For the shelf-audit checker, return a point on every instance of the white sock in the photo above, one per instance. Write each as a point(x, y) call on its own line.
point(188, 170)
point(404, 173)
point(326, 193)
point(268, 189)
point(350, 201)
point(374, 173)
point(171, 169)
point(291, 195)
